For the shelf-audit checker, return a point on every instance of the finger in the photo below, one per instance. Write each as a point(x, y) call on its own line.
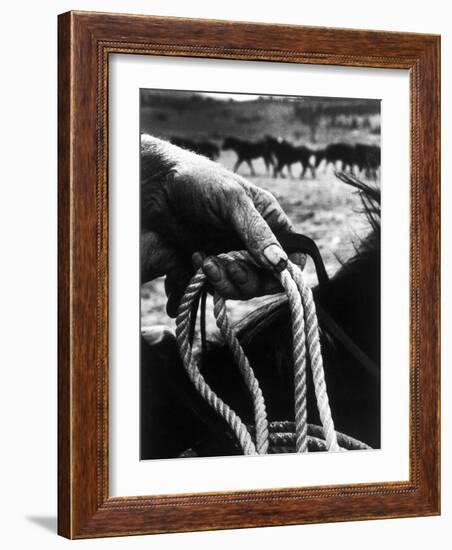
point(239, 280)
point(272, 212)
point(157, 258)
point(198, 259)
point(255, 233)
point(251, 281)
point(298, 258)
point(269, 208)
point(217, 276)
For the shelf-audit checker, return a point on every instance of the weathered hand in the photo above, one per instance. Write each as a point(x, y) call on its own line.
point(191, 204)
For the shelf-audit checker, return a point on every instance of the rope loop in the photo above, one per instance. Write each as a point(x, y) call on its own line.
point(306, 345)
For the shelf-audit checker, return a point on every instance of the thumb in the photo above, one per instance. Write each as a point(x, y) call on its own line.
point(256, 235)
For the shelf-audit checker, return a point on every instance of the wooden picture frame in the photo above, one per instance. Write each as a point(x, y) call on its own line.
point(85, 42)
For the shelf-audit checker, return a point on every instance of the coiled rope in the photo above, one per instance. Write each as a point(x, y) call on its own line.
point(306, 344)
point(282, 438)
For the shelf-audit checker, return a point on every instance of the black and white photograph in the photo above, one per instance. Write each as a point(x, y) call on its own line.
point(260, 274)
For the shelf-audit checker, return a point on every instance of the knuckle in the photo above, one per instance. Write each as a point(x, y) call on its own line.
point(236, 192)
point(224, 288)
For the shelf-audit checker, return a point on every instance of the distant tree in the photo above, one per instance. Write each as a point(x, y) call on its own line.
point(310, 115)
point(311, 112)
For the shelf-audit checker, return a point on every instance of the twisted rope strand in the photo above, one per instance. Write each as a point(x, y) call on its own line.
point(318, 373)
point(182, 337)
point(314, 444)
point(260, 412)
point(345, 441)
point(299, 359)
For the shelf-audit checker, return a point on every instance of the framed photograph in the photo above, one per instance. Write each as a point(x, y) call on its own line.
point(248, 275)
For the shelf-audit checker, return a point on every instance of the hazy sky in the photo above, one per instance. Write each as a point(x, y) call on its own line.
point(235, 97)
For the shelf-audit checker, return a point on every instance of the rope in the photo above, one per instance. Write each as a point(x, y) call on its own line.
point(304, 331)
point(182, 336)
point(260, 413)
point(318, 373)
point(287, 439)
point(299, 359)
point(314, 444)
point(282, 435)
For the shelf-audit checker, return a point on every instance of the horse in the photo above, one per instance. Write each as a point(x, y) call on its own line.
point(286, 155)
point(208, 149)
point(205, 148)
point(368, 159)
point(247, 151)
point(305, 154)
point(337, 152)
point(176, 421)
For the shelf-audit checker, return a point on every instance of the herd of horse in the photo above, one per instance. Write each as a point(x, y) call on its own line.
point(280, 155)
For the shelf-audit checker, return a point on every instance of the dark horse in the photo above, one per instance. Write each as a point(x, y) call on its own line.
point(368, 159)
point(286, 154)
point(205, 148)
point(247, 151)
point(175, 421)
point(337, 152)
